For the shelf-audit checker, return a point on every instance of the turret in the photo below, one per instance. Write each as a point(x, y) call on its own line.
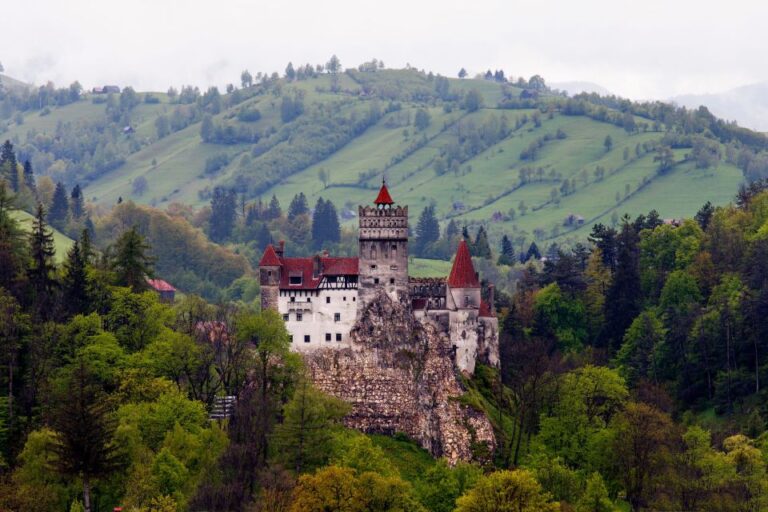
point(383, 249)
point(463, 290)
point(270, 269)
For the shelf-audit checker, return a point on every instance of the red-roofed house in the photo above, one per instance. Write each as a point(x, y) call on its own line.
point(166, 292)
point(320, 297)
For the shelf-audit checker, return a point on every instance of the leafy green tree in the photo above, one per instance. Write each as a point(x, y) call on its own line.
point(665, 157)
point(507, 491)
point(462, 73)
point(608, 143)
point(84, 442)
point(560, 317)
point(595, 497)
point(421, 120)
point(131, 263)
point(302, 440)
point(473, 101)
point(642, 341)
point(333, 66)
point(246, 79)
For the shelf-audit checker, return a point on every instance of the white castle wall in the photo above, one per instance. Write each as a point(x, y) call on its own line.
point(318, 317)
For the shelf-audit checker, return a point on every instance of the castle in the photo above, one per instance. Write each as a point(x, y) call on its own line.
point(321, 297)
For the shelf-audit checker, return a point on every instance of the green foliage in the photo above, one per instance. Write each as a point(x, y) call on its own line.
point(506, 491)
point(562, 317)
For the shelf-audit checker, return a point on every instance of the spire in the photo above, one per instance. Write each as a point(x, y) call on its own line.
point(384, 198)
point(463, 272)
point(270, 258)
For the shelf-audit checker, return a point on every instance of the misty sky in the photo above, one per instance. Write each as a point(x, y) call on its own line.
point(648, 49)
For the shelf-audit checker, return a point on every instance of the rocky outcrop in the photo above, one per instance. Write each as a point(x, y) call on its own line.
point(399, 375)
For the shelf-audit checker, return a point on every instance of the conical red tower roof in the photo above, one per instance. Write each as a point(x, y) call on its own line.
point(270, 258)
point(384, 197)
point(463, 272)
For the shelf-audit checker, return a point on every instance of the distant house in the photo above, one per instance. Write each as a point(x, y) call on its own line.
point(573, 219)
point(166, 292)
point(128, 129)
point(106, 89)
point(673, 222)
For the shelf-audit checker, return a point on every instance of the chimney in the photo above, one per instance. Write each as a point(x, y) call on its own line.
point(491, 297)
point(280, 249)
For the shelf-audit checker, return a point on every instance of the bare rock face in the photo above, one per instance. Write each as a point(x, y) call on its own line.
point(399, 376)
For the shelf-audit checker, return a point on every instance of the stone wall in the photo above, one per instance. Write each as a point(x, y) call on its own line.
point(399, 376)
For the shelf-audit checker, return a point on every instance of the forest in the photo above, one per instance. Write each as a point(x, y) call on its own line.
point(632, 366)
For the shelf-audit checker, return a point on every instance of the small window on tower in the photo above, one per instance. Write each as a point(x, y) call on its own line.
point(293, 299)
point(327, 300)
point(298, 317)
point(290, 338)
point(373, 267)
point(309, 299)
point(375, 280)
point(338, 336)
point(391, 280)
point(327, 336)
point(306, 338)
point(286, 318)
point(337, 317)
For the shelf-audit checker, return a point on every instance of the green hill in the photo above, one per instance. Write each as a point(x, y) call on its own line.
point(61, 241)
point(280, 136)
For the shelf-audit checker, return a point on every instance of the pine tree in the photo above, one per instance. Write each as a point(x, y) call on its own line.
point(85, 428)
point(451, 230)
point(264, 238)
point(622, 302)
point(41, 270)
point(427, 231)
point(274, 211)
point(533, 252)
point(298, 206)
point(223, 214)
point(77, 204)
point(325, 224)
point(12, 243)
point(59, 207)
point(332, 226)
point(481, 248)
point(75, 282)
point(29, 176)
point(8, 165)
point(131, 263)
point(507, 256)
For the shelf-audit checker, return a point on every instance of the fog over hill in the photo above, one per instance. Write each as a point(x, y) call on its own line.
point(747, 105)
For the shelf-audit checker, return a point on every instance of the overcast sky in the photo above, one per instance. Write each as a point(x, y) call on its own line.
point(639, 49)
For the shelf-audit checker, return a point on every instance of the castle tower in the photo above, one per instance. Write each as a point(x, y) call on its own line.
point(383, 249)
point(463, 290)
point(270, 268)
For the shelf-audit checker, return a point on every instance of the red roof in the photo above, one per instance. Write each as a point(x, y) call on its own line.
point(463, 273)
point(384, 197)
point(303, 267)
point(160, 285)
point(270, 258)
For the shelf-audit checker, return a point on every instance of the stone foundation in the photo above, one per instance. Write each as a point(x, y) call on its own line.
point(399, 375)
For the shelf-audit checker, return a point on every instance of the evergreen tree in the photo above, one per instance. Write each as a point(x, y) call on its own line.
point(223, 214)
point(507, 255)
point(427, 231)
point(77, 204)
point(264, 238)
point(131, 262)
point(298, 206)
point(332, 226)
point(325, 224)
point(75, 281)
point(12, 246)
point(481, 248)
point(8, 165)
point(533, 252)
point(274, 211)
point(622, 302)
point(83, 421)
point(451, 230)
point(42, 269)
point(704, 215)
point(59, 207)
point(29, 176)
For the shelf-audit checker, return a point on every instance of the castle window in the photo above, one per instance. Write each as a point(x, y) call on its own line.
point(309, 299)
point(269, 273)
point(327, 336)
point(345, 298)
point(306, 338)
point(290, 338)
point(293, 299)
point(294, 280)
point(373, 252)
point(286, 317)
point(327, 300)
point(299, 316)
point(338, 336)
point(466, 301)
point(354, 299)
point(375, 280)
point(373, 267)
point(337, 317)
point(394, 250)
